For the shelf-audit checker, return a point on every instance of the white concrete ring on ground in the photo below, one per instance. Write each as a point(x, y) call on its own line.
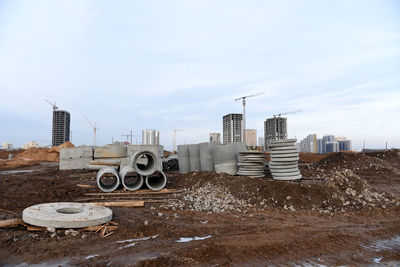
point(66, 215)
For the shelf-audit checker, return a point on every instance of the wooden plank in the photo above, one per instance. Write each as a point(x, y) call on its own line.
point(119, 204)
point(35, 228)
point(11, 223)
point(115, 198)
point(86, 186)
point(139, 192)
point(9, 211)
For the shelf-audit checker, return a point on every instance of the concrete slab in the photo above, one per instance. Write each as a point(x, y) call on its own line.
point(74, 163)
point(66, 215)
point(278, 174)
point(183, 157)
point(284, 155)
point(285, 159)
point(76, 152)
point(194, 157)
point(288, 178)
point(276, 170)
point(110, 152)
point(283, 148)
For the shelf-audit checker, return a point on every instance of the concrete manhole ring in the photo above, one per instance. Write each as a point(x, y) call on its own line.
point(66, 215)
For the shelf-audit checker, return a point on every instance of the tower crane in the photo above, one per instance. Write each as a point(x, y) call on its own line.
point(94, 129)
point(174, 141)
point(286, 113)
point(53, 104)
point(243, 98)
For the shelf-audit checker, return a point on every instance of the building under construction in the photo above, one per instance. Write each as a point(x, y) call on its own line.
point(232, 128)
point(61, 127)
point(275, 128)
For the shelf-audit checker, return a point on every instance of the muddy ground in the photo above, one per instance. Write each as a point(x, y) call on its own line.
point(345, 212)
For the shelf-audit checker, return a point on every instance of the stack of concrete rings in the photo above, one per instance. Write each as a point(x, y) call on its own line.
point(284, 160)
point(251, 163)
point(143, 169)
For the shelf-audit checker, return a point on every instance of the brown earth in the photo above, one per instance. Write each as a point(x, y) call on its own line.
point(32, 156)
point(345, 212)
point(311, 157)
point(4, 153)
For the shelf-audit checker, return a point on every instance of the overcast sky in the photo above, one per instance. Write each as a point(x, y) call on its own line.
point(163, 64)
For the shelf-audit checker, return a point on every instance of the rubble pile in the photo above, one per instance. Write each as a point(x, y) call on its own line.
point(357, 162)
point(208, 197)
point(349, 191)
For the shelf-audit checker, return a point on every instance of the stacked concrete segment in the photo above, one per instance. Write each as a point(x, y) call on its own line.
point(183, 157)
point(226, 157)
point(206, 156)
point(194, 157)
point(252, 163)
point(75, 157)
point(284, 159)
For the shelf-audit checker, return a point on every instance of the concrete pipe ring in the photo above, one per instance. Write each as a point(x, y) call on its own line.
point(130, 179)
point(144, 162)
point(107, 179)
point(156, 181)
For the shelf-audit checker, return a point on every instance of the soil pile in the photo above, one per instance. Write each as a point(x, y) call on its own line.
point(312, 157)
point(34, 155)
point(4, 153)
point(218, 193)
point(38, 155)
point(63, 145)
point(358, 161)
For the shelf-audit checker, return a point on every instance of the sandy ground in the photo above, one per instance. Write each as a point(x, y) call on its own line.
point(237, 221)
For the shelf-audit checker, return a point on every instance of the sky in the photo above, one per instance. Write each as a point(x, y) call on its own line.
point(133, 65)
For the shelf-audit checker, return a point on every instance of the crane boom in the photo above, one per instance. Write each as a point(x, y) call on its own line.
point(286, 113)
point(243, 98)
point(53, 104)
point(94, 129)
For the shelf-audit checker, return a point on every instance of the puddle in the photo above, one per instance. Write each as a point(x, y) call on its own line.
point(15, 171)
point(91, 256)
point(385, 244)
point(132, 241)
point(189, 239)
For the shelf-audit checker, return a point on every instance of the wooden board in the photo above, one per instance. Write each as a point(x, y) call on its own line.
point(11, 223)
point(137, 203)
point(139, 192)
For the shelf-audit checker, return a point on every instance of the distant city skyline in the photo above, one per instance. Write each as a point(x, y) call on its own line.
point(158, 65)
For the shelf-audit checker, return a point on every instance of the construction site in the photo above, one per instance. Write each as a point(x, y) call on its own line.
point(199, 133)
point(343, 211)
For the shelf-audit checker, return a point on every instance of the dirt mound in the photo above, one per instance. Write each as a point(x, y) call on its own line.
point(4, 153)
point(38, 154)
point(311, 157)
point(33, 156)
point(359, 161)
point(218, 193)
point(63, 145)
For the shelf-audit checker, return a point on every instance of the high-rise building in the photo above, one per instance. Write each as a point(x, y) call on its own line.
point(309, 144)
point(232, 128)
point(251, 137)
point(344, 145)
point(215, 138)
point(275, 128)
point(319, 146)
point(326, 139)
point(61, 127)
point(331, 147)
